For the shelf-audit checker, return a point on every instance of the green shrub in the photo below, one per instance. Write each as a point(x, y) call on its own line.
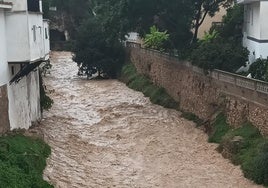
point(22, 161)
point(260, 167)
point(251, 153)
point(259, 69)
point(220, 128)
point(45, 101)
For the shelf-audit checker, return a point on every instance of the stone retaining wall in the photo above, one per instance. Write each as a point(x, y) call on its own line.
point(4, 119)
point(242, 99)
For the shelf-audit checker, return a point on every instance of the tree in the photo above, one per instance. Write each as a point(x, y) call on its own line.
point(220, 54)
point(232, 23)
point(123, 16)
point(204, 8)
point(94, 53)
point(175, 16)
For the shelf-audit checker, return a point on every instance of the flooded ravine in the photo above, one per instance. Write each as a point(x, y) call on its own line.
point(106, 135)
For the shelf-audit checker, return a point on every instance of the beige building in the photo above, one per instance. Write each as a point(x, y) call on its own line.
point(209, 20)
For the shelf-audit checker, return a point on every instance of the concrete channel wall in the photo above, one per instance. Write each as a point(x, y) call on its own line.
point(241, 98)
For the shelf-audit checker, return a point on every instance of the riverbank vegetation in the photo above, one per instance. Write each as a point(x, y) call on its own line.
point(22, 161)
point(45, 101)
point(139, 82)
point(244, 146)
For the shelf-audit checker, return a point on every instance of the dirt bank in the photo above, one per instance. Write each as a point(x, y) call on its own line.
point(104, 135)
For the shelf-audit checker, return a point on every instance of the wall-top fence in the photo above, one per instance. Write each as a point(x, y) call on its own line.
point(237, 80)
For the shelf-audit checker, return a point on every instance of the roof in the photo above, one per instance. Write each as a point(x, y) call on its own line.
point(7, 5)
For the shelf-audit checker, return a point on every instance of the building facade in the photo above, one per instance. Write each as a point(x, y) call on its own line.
point(255, 29)
point(24, 44)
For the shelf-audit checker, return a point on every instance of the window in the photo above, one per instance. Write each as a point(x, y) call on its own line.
point(33, 5)
point(12, 70)
point(252, 16)
point(34, 33)
point(46, 34)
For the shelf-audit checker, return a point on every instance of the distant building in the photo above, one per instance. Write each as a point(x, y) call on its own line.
point(205, 27)
point(255, 29)
point(24, 44)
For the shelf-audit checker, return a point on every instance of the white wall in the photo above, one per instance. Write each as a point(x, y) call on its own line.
point(35, 27)
point(17, 37)
point(256, 49)
point(25, 36)
point(3, 58)
point(264, 20)
point(256, 26)
point(252, 20)
point(46, 38)
point(19, 5)
point(24, 97)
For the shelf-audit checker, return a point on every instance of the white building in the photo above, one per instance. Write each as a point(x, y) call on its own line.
point(255, 29)
point(24, 44)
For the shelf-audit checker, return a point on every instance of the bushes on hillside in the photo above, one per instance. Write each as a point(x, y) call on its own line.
point(244, 146)
point(22, 161)
point(259, 69)
point(219, 54)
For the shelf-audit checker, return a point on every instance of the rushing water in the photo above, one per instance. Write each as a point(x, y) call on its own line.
point(106, 135)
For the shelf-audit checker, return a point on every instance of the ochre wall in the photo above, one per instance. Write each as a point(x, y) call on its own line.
point(200, 94)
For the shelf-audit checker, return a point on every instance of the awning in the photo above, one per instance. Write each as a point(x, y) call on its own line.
point(25, 71)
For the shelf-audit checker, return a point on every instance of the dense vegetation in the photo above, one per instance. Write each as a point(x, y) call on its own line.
point(96, 51)
point(219, 54)
point(45, 101)
point(22, 161)
point(111, 20)
point(259, 69)
point(222, 47)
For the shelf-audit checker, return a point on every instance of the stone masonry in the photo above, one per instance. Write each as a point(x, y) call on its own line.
point(201, 94)
point(4, 120)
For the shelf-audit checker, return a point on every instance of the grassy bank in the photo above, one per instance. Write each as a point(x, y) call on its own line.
point(22, 161)
point(138, 82)
point(244, 146)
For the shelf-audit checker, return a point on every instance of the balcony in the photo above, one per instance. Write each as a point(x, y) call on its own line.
point(5, 5)
point(247, 1)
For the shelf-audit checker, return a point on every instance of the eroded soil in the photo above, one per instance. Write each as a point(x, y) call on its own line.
point(104, 134)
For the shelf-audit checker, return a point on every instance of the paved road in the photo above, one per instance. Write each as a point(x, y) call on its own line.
point(105, 135)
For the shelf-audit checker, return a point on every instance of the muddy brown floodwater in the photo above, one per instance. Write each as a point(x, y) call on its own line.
point(106, 135)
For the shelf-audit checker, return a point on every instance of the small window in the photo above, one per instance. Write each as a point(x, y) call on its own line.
point(12, 70)
point(46, 34)
point(252, 16)
point(33, 5)
point(34, 33)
